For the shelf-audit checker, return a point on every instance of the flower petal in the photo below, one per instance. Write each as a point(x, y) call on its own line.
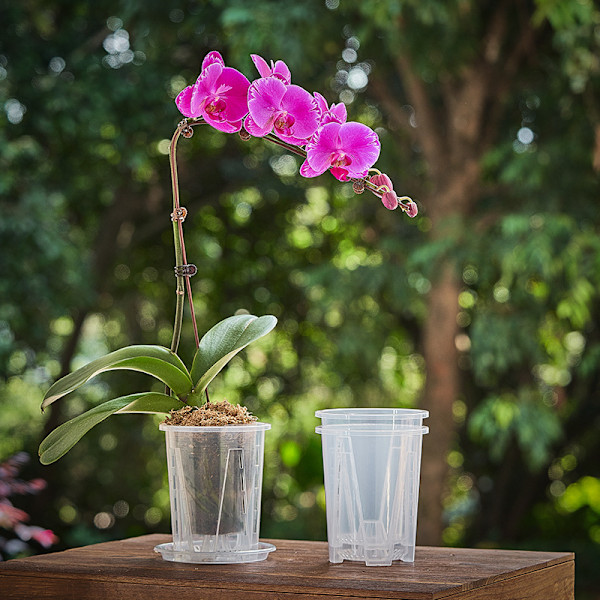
point(253, 129)
point(261, 65)
point(361, 144)
point(183, 101)
point(264, 99)
point(307, 171)
point(205, 85)
point(322, 105)
point(226, 126)
point(299, 103)
point(236, 96)
point(340, 112)
point(282, 71)
point(327, 141)
point(212, 58)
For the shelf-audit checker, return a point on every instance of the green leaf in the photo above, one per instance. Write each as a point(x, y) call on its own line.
point(157, 361)
point(65, 436)
point(223, 342)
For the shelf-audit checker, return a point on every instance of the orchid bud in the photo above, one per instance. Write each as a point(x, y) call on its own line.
point(411, 209)
point(390, 200)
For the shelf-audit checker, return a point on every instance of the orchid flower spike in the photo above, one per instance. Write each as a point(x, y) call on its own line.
point(279, 70)
point(385, 187)
point(287, 110)
point(349, 150)
point(219, 95)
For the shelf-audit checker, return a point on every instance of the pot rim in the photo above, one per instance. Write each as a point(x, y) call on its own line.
point(376, 413)
point(257, 426)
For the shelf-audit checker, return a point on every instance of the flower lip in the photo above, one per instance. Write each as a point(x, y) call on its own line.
point(348, 149)
point(284, 123)
point(340, 159)
point(215, 107)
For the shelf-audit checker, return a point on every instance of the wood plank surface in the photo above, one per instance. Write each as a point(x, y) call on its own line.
point(129, 569)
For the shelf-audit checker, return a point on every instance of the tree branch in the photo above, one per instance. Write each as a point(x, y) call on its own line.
point(392, 106)
point(429, 130)
point(503, 73)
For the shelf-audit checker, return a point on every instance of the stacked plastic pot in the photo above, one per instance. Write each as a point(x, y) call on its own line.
point(372, 465)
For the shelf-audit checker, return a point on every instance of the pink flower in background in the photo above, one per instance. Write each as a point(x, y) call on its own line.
point(336, 113)
point(45, 537)
point(279, 70)
point(219, 95)
point(12, 519)
point(288, 110)
point(11, 516)
point(349, 150)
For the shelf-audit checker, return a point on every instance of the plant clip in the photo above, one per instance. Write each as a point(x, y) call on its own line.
point(179, 214)
point(186, 270)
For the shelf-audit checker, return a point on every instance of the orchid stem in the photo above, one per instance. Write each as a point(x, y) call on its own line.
point(294, 149)
point(178, 216)
point(178, 247)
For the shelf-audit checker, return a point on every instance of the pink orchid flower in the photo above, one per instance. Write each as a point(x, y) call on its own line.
point(336, 113)
point(219, 95)
point(349, 150)
point(389, 198)
point(279, 70)
point(288, 110)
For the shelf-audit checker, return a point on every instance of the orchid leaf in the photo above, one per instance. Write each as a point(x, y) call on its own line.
point(65, 436)
point(221, 343)
point(157, 361)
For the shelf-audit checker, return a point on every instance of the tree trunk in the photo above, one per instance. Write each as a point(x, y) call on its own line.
point(441, 389)
point(454, 131)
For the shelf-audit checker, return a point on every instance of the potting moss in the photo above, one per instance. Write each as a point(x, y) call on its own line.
point(211, 413)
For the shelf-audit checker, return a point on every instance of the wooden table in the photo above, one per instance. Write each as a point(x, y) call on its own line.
point(129, 569)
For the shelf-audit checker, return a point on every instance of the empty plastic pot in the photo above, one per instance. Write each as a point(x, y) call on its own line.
point(372, 464)
point(215, 481)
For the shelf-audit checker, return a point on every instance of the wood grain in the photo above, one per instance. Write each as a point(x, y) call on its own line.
point(130, 570)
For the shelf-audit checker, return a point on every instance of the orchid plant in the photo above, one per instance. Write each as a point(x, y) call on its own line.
point(273, 108)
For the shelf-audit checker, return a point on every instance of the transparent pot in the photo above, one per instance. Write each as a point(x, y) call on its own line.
point(372, 464)
point(215, 481)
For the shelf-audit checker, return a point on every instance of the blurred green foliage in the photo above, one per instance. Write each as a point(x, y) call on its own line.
point(86, 92)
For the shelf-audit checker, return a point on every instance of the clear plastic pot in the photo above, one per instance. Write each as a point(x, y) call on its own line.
point(215, 481)
point(372, 469)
